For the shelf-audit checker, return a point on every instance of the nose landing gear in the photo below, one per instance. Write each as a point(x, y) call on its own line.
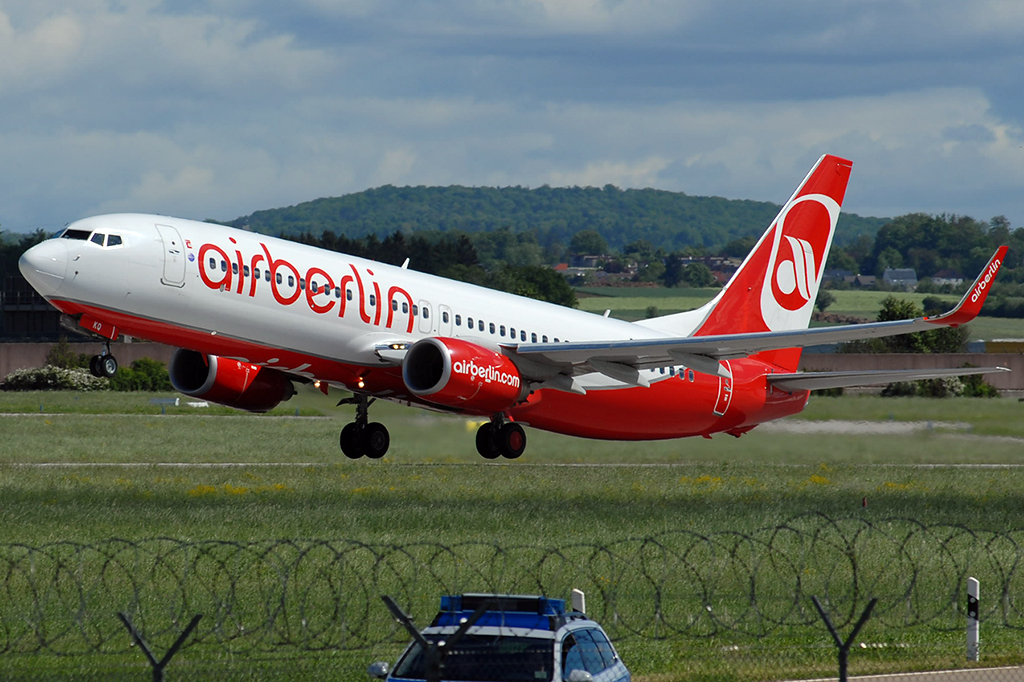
point(500, 438)
point(104, 364)
point(360, 438)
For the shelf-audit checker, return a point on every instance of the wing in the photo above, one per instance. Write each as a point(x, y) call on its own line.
point(812, 381)
point(622, 360)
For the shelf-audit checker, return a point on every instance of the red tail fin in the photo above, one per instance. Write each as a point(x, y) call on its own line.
point(775, 287)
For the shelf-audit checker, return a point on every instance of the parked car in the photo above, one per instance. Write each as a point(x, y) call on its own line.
point(517, 638)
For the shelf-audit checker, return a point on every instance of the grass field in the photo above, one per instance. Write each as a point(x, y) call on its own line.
point(433, 487)
point(628, 303)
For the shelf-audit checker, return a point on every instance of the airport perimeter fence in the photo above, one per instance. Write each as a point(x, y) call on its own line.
point(725, 604)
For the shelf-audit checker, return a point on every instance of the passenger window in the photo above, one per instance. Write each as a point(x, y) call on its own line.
point(502, 330)
point(279, 278)
point(689, 375)
point(114, 240)
point(223, 266)
point(480, 326)
point(444, 317)
point(415, 310)
point(337, 292)
point(533, 338)
point(245, 270)
point(348, 294)
point(512, 332)
point(604, 647)
point(405, 307)
point(234, 268)
point(544, 339)
point(492, 327)
point(97, 238)
point(426, 313)
point(662, 369)
point(302, 282)
point(213, 264)
point(469, 322)
point(572, 658)
point(458, 321)
point(394, 305)
point(256, 273)
point(314, 287)
point(373, 300)
point(592, 661)
point(522, 336)
point(556, 339)
point(267, 275)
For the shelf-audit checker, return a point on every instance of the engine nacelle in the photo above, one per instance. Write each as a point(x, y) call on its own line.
point(460, 374)
point(228, 382)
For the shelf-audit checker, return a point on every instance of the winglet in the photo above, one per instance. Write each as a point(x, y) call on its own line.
point(970, 305)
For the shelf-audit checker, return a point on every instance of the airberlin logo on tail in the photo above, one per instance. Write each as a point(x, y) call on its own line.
point(800, 241)
point(795, 274)
point(488, 374)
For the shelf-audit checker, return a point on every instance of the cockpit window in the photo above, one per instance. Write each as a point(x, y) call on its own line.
point(76, 234)
point(97, 238)
point(114, 240)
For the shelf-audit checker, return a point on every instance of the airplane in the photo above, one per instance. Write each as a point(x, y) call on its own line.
point(252, 314)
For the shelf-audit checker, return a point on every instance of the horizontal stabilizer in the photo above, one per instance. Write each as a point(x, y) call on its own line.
point(814, 381)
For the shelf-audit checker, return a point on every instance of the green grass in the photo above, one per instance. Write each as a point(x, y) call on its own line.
point(432, 487)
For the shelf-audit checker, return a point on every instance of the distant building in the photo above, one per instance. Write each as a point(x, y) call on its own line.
point(25, 313)
point(951, 277)
point(864, 281)
point(900, 277)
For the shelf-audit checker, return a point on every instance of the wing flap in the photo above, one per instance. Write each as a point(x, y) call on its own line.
point(812, 381)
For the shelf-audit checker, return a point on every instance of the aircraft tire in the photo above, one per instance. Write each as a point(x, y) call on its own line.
point(485, 442)
point(94, 366)
point(375, 440)
point(511, 440)
point(107, 365)
point(349, 441)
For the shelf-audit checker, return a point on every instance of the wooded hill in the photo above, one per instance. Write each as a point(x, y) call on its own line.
point(672, 221)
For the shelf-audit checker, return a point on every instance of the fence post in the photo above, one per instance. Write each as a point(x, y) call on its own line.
point(972, 618)
point(434, 653)
point(158, 666)
point(844, 647)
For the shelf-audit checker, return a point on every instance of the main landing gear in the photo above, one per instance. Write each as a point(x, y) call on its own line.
point(104, 364)
point(359, 438)
point(500, 438)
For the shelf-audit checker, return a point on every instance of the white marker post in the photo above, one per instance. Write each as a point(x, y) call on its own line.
point(972, 619)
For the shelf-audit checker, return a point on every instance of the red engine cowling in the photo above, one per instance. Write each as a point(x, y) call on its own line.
point(229, 382)
point(460, 374)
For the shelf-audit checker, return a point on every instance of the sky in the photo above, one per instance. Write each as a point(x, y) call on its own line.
point(218, 108)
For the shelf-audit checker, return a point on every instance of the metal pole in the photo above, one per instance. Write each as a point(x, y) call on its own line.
point(972, 618)
point(158, 666)
point(844, 647)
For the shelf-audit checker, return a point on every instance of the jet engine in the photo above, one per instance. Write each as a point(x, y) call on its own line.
point(460, 374)
point(229, 382)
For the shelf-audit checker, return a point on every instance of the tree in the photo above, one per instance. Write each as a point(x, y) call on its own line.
point(938, 340)
point(698, 275)
point(588, 242)
point(824, 300)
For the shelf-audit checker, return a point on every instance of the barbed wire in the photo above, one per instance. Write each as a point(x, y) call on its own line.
point(62, 597)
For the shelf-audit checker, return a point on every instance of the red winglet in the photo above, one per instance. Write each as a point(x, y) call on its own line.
point(970, 305)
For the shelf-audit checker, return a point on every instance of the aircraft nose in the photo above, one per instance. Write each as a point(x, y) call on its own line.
point(44, 266)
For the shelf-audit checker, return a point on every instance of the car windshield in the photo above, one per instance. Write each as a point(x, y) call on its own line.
point(485, 659)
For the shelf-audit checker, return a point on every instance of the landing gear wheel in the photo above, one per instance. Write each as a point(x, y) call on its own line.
point(350, 440)
point(375, 440)
point(511, 440)
point(107, 365)
point(485, 442)
point(94, 366)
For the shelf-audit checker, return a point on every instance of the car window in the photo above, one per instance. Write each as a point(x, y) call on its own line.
point(572, 657)
point(592, 661)
point(604, 647)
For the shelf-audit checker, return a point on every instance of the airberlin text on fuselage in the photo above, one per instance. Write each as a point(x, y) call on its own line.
point(316, 285)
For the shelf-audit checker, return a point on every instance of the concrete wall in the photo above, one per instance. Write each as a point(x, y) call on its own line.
point(24, 355)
